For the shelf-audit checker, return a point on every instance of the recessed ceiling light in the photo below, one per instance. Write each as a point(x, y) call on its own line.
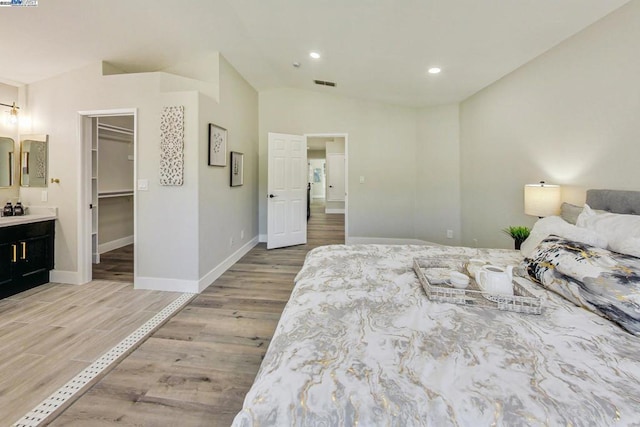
point(434, 70)
point(314, 55)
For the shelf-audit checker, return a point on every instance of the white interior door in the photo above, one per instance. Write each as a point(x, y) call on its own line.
point(335, 177)
point(287, 191)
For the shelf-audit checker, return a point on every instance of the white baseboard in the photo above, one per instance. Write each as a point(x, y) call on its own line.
point(387, 241)
point(162, 284)
point(211, 276)
point(334, 211)
point(194, 286)
point(115, 244)
point(67, 277)
point(262, 238)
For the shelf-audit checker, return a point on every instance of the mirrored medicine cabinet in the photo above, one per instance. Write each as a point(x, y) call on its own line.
point(34, 160)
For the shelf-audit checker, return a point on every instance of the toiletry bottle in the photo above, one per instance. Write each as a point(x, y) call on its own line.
point(8, 210)
point(18, 210)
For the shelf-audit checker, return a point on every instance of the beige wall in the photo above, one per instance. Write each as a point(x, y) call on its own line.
point(569, 117)
point(381, 147)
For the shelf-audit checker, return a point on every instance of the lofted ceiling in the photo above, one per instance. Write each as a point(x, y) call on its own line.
point(373, 49)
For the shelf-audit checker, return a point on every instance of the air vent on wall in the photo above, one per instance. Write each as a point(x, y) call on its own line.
point(323, 83)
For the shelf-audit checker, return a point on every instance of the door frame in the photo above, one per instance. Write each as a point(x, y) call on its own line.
point(346, 171)
point(84, 226)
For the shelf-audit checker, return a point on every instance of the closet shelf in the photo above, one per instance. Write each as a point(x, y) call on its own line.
point(114, 193)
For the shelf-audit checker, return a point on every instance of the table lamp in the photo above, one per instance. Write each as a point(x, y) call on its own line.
point(541, 199)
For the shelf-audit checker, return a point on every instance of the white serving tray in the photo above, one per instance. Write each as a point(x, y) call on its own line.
point(522, 301)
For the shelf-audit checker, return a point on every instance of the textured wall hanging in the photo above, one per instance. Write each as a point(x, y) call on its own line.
point(172, 145)
point(217, 145)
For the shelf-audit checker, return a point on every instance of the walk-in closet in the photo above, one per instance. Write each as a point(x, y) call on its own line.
point(112, 197)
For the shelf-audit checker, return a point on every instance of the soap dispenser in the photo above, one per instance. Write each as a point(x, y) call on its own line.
point(18, 209)
point(8, 209)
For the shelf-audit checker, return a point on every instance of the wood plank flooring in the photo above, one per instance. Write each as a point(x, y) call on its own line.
point(50, 333)
point(115, 265)
point(196, 369)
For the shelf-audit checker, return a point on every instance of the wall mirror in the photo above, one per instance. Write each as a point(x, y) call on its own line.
point(34, 160)
point(7, 164)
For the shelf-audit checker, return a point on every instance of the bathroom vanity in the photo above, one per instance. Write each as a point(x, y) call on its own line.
point(26, 252)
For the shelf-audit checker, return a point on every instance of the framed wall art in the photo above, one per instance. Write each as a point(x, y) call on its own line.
point(237, 173)
point(217, 145)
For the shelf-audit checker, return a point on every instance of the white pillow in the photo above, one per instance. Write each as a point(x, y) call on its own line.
point(629, 246)
point(621, 231)
point(586, 213)
point(545, 227)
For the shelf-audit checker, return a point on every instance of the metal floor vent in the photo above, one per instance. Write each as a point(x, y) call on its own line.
point(324, 83)
point(62, 396)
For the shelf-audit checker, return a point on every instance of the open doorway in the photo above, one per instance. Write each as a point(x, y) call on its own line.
point(327, 162)
point(108, 214)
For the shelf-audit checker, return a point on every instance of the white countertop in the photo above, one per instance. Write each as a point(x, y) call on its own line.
point(36, 214)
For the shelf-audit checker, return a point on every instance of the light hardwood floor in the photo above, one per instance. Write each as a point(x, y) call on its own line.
point(50, 333)
point(196, 369)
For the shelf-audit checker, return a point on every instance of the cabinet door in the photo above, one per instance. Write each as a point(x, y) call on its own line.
point(33, 256)
point(6, 264)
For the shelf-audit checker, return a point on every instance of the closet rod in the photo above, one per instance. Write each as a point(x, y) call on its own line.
point(116, 129)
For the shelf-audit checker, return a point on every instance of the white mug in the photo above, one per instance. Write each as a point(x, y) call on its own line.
point(495, 280)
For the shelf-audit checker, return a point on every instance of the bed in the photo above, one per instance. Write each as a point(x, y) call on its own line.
point(359, 343)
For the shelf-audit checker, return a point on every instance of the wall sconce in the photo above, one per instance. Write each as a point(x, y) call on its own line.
point(13, 114)
point(541, 199)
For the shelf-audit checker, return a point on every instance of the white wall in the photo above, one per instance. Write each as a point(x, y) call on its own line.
point(168, 236)
point(226, 212)
point(438, 175)
point(115, 223)
point(568, 117)
point(54, 105)
point(382, 141)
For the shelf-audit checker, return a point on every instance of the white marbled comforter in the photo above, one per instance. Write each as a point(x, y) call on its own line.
point(359, 343)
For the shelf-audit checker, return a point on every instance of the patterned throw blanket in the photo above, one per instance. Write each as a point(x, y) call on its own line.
point(605, 282)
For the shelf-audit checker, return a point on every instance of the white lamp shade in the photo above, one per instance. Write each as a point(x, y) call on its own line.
point(541, 199)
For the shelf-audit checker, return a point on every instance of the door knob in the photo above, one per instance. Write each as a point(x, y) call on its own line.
point(271, 196)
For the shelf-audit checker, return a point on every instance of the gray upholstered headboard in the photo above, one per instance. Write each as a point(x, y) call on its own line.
point(616, 201)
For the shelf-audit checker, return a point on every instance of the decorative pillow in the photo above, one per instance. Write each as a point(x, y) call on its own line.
point(555, 225)
point(616, 228)
point(570, 212)
point(604, 282)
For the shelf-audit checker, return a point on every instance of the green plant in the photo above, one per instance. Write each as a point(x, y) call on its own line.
point(518, 232)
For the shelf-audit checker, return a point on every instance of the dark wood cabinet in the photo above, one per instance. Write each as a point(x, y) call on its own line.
point(26, 256)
